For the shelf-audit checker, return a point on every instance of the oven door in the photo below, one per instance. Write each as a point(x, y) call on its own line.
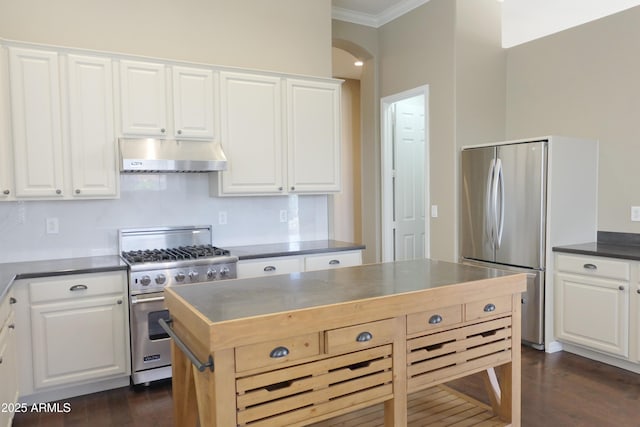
point(150, 345)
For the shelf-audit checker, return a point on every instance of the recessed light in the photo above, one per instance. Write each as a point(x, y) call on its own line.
point(358, 63)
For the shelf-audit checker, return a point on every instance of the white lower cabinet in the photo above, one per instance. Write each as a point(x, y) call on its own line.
point(592, 303)
point(78, 330)
point(297, 263)
point(8, 361)
point(635, 309)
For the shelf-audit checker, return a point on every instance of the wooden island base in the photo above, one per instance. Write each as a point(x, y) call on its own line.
point(342, 347)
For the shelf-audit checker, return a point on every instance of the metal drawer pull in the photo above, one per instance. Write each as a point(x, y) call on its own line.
point(270, 268)
point(590, 266)
point(11, 326)
point(12, 300)
point(279, 352)
point(435, 319)
point(334, 262)
point(638, 291)
point(621, 287)
point(166, 325)
point(489, 308)
point(364, 337)
point(78, 288)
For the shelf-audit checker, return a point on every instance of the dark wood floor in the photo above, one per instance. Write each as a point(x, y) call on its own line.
point(558, 390)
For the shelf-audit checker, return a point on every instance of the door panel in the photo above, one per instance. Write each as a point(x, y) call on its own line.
point(522, 237)
point(474, 214)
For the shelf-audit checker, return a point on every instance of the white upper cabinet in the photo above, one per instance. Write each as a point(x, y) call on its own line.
point(313, 136)
point(51, 162)
point(143, 98)
point(7, 191)
point(36, 122)
point(91, 124)
point(148, 110)
point(276, 145)
point(251, 134)
point(193, 107)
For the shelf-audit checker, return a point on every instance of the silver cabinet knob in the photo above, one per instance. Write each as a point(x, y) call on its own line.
point(58, 191)
point(293, 188)
point(163, 130)
point(119, 302)
point(6, 192)
point(621, 287)
point(280, 188)
point(77, 191)
point(179, 132)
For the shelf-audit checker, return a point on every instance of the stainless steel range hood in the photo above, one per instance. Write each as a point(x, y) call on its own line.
point(164, 156)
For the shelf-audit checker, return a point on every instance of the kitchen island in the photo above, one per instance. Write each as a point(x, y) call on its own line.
point(302, 348)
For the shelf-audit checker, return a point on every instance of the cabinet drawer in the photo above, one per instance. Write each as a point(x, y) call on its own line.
point(269, 267)
point(332, 260)
point(76, 286)
point(593, 266)
point(276, 352)
point(357, 337)
point(5, 308)
point(488, 307)
point(432, 319)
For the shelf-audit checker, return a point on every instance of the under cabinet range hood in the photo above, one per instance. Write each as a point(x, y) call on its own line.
point(148, 155)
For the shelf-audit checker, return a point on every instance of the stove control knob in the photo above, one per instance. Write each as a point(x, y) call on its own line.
point(145, 280)
point(211, 274)
point(224, 271)
point(160, 279)
point(193, 275)
point(180, 276)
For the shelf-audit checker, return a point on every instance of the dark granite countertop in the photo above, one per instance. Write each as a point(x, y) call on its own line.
point(56, 267)
point(292, 248)
point(609, 244)
point(242, 298)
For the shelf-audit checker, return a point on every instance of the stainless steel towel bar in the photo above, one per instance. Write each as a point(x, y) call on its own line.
point(166, 325)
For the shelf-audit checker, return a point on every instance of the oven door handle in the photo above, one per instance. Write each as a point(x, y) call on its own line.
point(137, 300)
point(166, 325)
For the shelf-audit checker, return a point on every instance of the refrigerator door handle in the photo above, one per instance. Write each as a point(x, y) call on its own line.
point(500, 187)
point(489, 212)
point(494, 202)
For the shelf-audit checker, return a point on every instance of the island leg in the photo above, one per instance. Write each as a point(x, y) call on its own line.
point(185, 408)
point(395, 410)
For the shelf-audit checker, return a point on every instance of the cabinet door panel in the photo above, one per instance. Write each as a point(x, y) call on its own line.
point(251, 133)
point(6, 153)
point(193, 103)
point(593, 312)
point(92, 138)
point(143, 97)
point(313, 117)
point(78, 340)
point(36, 122)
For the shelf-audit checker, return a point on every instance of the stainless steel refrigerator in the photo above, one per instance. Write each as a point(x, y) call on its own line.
point(503, 219)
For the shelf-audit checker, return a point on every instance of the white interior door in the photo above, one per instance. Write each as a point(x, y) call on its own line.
point(409, 178)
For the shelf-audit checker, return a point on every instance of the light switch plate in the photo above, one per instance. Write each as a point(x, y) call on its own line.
point(222, 217)
point(635, 213)
point(52, 226)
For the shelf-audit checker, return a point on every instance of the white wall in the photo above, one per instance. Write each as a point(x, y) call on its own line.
point(526, 20)
point(90, 227)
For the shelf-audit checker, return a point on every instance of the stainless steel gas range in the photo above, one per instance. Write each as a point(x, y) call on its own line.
point(160, 257)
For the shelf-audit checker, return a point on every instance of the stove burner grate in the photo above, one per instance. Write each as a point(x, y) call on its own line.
point(173, 254)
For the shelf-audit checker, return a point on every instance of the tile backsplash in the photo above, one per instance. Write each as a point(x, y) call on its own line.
point(90, 227)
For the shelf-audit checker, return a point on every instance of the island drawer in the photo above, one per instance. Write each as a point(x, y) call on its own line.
point(75, 286)
point(277, 352)
point(434, 358)
point(486, 308)
point(433, 319)
point(315, 390)
point(593, 266)
point(358, 337)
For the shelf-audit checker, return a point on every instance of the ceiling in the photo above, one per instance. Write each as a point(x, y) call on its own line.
point(372, 13)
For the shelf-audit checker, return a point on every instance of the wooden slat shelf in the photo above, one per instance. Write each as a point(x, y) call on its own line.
point(436, 406)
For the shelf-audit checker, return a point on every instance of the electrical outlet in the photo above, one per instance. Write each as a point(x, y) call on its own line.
point(22, 213)
point(635, 213)
point(434, 211)
point(222, 217)
point(283, 216)
point(52, 226)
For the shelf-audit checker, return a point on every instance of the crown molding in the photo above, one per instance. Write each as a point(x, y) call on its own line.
point(379, 20)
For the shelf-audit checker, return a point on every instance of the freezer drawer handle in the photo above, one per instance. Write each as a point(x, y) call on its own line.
point(364, 337)
point(270, 268)
point(166, 325)
point(590, 266)
point(435, 319)
point(279, 352)
point(334, 262)
point(78, 288)
point(489, 308)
